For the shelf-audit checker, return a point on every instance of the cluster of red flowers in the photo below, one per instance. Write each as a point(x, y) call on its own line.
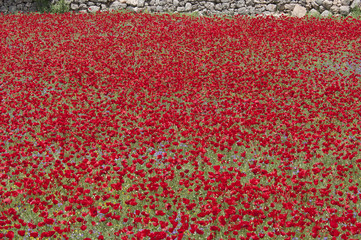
point(131, 126)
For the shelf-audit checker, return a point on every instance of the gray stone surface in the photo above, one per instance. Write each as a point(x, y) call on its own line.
point(295, 8)
point(344, 10)
point(326, 14)
point(299, 11)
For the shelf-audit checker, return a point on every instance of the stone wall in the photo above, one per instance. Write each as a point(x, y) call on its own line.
point(297, 8)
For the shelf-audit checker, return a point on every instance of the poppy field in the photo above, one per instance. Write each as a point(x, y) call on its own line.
point(139, 126)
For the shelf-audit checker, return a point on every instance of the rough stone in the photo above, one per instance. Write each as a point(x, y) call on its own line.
point(240, 4)
point(117, 5)
point(218, 7)
point(344, 10)
point(334, 9)
point(93, 9)
point(356, 3)
point(326, 14)
point(296, 8)
point(289, 7)
point(129, 2)
point(188, 7)
point(209, 5)
point(314, 12)
point(271, 7)
point(327, 4)
point(299, 11)
point(74, 6)
point(345, 2)
point(249, 2)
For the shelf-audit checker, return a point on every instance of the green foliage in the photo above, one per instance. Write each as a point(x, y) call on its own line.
point(356, 12)
point(60, 7)
point(45, 6)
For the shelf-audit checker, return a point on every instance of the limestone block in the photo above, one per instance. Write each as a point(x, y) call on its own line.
point(93, 9)
point(326, 14)
point(195, 7)
point(218, 7)
point(141, 3)
point(271, 7)
point(180, 9)
point(319, 2)
point(334, 9)
point(327, 4)
point(230, 12)
point(20, 7)
point(299, 11)
point(251, 11)
point(314, 4)
point(345, 2)
point(83, 6)
point(225, 1)
point(74, 6)
point(344, 10)
point(356, 3)
point(129, 2)
point(249, 2)
point(258, 10)
point(290, 7)
point(90, 4)
point(188, 7)
point(314, 12)
point(175, 2)
point(240, 4)
point(117, 5)
point(209, 5)
point(225, 5)
point(160, 2)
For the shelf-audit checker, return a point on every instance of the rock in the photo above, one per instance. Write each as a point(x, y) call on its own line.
point(314, 13)
point(334, 9)
point(297, 8)
point(218, 7)
point(209, 5)
point(240, 4)
point(129, 2)
point(141, 3)
point(326, 14)
point(299, 11)
point(327, 4)
point(356, 4)
point(345, 2)
point(188, 7)
point(344, 10)
point(117, 5)
point(93, 9)
point(271, 7)
point(74, 6)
